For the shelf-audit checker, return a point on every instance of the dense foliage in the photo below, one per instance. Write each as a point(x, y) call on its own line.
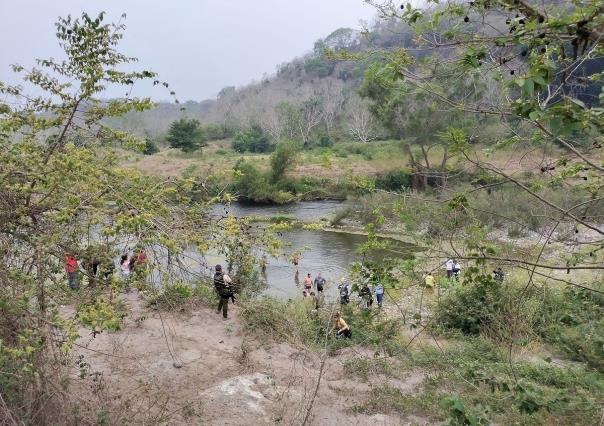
point(251, 140)
point(64, 193)
point(186, 134)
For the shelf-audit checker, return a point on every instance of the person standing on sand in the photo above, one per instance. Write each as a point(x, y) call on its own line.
point(449, 267)
point(344, 292)
point(72, 267)
point(222, 284)
point(125, 265)
point(429, 281)
point(366, 296)
point(456, 269)
point(379, 294)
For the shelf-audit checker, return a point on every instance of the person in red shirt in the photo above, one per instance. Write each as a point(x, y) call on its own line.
point(72, 268)
point(138, 260)
point(141, 259)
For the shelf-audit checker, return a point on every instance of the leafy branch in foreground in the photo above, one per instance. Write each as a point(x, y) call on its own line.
point(62, 192)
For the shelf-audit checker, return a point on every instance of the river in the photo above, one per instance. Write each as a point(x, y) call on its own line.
point(326, 252)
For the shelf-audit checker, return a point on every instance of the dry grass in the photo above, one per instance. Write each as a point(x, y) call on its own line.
point(372, 159)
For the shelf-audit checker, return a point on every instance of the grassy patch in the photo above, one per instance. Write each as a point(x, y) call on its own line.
point(388, 399)
point(364, 367)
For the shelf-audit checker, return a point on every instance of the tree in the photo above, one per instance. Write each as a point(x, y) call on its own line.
point(292, 119)
point(252, 140)
point(283, 158)
point(418, 116)
point(360, 121)
point(150, 147)
point(186, 134)
point(63, 192)
point(543, 59)
point(332, 100)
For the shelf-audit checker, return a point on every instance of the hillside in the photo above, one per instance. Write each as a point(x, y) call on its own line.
point(311, 91)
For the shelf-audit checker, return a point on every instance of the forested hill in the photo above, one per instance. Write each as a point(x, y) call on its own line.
point(309, 97)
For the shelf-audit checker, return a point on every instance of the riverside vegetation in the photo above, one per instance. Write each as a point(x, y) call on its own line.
point(473, 130)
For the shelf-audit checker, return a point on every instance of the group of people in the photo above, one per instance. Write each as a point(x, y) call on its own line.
point(128, 262)
point(365, 293)
point(453, 268)
point(95, 265)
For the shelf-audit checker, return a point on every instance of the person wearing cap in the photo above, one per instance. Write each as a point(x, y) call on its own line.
point(222, 284)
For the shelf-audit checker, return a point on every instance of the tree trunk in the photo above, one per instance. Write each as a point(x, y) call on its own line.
point(418, 180)
point(443, 169)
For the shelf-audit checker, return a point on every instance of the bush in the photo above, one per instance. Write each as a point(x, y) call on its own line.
point(254, 185)
point(150, 147)
point(173, 296)
point(473, 306)
point(322, 140)
point(395, 180)
point(213, 131)
point(319, 66)
point(252, 140)
point(572, 321)
point(101, 315)
point(186, 134)
point(283, 157)
point(291, 321)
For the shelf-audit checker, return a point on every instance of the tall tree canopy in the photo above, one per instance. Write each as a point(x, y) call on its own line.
point(186, 134)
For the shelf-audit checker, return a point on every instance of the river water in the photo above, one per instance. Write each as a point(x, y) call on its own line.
point(325, 252)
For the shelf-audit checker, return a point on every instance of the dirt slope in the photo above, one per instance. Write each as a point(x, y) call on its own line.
point(222, 379)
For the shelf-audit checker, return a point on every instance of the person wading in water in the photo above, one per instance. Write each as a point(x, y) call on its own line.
point(222, 284)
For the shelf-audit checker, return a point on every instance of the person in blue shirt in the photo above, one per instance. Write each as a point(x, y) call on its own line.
point(379, 293)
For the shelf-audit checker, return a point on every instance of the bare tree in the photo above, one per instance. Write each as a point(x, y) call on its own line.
point(332, 94)
point(360, 121)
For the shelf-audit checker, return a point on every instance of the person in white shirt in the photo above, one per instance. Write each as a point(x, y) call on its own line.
point(449, 264)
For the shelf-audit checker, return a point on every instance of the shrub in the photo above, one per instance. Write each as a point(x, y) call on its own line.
point(394, 180)
point(101, 315)
point(322, 140)
point(254, 185)
point(173, 296)
point(572, 321)
point(319, 66)
point(252, 140)
point(283, 157)
point(186, 134)
point(150, 147)
point(473, 307)
point(291, 321)
point(213, 131)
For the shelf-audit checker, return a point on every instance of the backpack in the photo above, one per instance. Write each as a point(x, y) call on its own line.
point(221, 287)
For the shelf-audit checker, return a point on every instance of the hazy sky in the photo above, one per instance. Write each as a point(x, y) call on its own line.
point(198, 46)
